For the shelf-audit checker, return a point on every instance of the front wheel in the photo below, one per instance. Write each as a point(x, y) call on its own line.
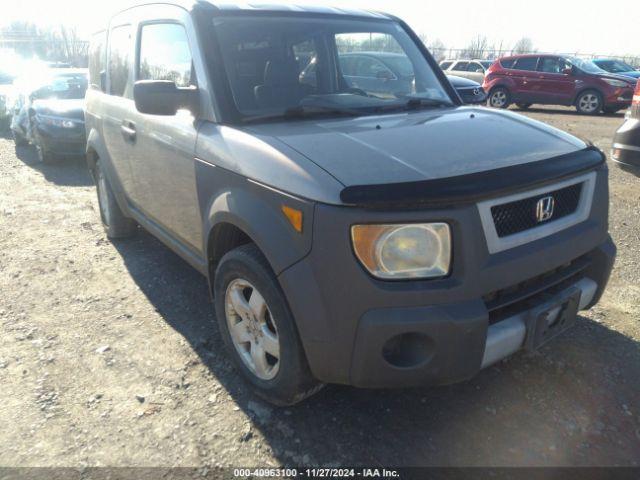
point(44, 155)
point(499, 98)
point(589, 102)
point(19, 139)
point(258, 328)
point(115, 223)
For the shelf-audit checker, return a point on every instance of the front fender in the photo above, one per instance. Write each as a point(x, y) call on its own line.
point(226, 197)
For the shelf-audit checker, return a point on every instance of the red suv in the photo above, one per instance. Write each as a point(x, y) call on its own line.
point(556, 80)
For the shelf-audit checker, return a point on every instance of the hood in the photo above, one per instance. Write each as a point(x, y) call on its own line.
point(617, 76)
point(423, 145)
point(631, 74)
point(60, 108)
point(460, 82)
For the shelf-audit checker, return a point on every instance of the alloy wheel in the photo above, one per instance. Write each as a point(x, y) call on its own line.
point(252, 329)
point(589, 103)
point(498, 99)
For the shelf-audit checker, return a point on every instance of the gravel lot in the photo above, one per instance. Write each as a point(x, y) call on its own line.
point(109, 355)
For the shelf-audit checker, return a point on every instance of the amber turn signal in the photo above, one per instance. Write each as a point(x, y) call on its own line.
point(294, 216)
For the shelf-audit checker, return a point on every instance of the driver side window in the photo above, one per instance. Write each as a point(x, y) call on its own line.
point(165, 54)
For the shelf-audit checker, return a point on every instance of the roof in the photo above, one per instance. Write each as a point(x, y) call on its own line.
point(296, 8)
point(264, 7)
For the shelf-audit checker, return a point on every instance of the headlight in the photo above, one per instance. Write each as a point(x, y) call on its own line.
point(56, 121)
point(417, 250)
point(616, 83)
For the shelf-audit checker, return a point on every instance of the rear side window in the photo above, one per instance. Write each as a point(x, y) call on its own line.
point(460, 67)
point(526, 63)
point(97, 59)
point(165, 54)
point(445, 65)
point(120, 61)
point(507, 62)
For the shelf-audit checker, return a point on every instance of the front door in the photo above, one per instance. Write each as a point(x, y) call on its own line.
point(163, 164)
point(555, 84)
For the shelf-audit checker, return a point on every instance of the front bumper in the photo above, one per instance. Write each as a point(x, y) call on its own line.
point(472, 96)
point(618, 98)
point(625, 151)
point(371, 333)
point(62, 141)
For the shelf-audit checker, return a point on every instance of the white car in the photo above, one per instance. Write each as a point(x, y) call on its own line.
point(471, 69)
point(6, 90)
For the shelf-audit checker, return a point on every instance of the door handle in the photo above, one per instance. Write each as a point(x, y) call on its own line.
point(128, 130)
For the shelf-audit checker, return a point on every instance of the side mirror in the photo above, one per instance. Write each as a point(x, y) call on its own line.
point(567, 71)
point(479, 70)
point(163, 97)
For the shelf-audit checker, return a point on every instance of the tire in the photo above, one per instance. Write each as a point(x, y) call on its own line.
point(19, 139)
point(499, 98)
point(589, 102)
point(264, 345)
point(115, 223)
point(523, 106)
point(44, 155)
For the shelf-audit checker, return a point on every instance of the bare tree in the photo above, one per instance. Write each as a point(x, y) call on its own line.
point(59, 45)
point(438, 49)
point(524, 45)
point(477, 48)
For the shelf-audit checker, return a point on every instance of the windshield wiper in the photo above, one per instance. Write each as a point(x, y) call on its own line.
point(415, 103)
point(302, 111)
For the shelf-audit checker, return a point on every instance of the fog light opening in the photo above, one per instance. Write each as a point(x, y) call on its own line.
point(408, 350)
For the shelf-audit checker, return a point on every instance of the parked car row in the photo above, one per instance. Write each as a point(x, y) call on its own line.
point(380, 72)
point(626, 142)
point(592, 86)
point(556, 80)
point(48, 113)
point(6, 89)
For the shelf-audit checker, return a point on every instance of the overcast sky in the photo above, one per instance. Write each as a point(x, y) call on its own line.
point(553, 25)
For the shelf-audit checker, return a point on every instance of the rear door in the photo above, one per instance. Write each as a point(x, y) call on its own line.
point(164, 161)
point(460, 69)
point(554, 86)
point(117, 105)
point(475, 72)
point(522, 74)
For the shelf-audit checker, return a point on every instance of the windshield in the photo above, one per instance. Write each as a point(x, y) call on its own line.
point(585, 65)
point(614, 66)
point(276, 65)
point(63, 87)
